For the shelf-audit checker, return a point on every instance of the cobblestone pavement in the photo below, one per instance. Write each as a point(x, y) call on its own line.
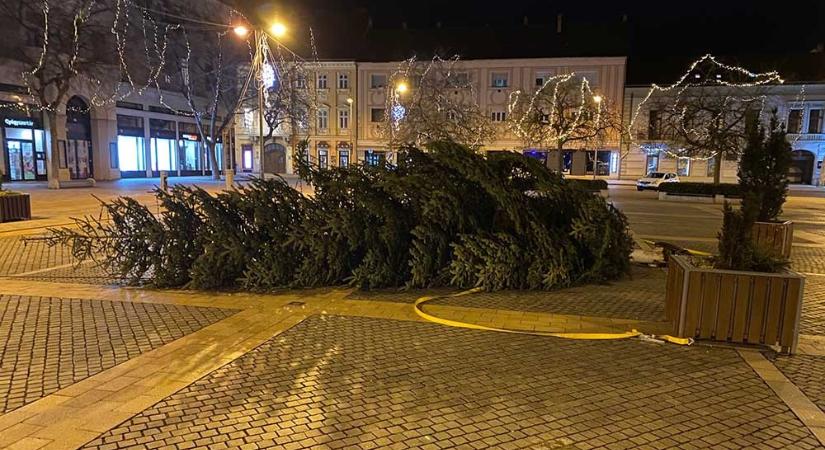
point(640, 297)
point(813, 306)
point(49, 343)
point(396, 295)
point(347, 382)
point(88, 273)
point(807, 372)
point(19, 256)
point(808, 259)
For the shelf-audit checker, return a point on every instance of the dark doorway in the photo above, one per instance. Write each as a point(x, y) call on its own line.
point(274, 158)
point(78, 139)
point(802, 167)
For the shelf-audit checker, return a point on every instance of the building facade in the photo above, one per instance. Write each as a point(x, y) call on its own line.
point(800, 108)
point(329, 131)
point(350, 99)
point(137, 136)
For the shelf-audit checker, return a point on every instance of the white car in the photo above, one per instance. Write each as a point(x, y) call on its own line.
point(654, 179)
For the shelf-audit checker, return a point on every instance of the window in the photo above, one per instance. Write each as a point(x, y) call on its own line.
point(794, 121)
point(301, 82)
point(378, 81)
point(815, 121)
point(343, 81)
point(377, 115)
point(711, 168)
point(343, 157)
point(322, 81)
point(500, 80)
point(374, 158)
point(654, 124)
point(539, 81)
point(451, 115)
point(246, 157)
point(460, 79)
point(323, 158)
point(130, 153)
point(683, 167)
point(323, 119)
point(652, 162)
point(343, 119)
point(498, 116)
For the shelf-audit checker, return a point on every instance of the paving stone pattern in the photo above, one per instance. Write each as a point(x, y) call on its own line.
point(807, 372)
point(85, 274)
point(49, 343)
point(352, 382)
point(813, 306)
point(20, 256)
point(808, 259)
point(640, 297)
point(398, 295)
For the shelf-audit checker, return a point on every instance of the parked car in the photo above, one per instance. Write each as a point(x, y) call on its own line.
point(654, 179)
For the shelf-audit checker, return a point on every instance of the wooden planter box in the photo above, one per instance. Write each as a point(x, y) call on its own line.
point(775, 236)
point(734, 306)
point(15, 207)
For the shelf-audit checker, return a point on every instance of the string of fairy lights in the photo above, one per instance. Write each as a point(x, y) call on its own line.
point(687, 84)
point(587, 101)
point(157, 33)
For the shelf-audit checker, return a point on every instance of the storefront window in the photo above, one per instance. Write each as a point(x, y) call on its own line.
point(163, 154)
point(323, 158)
point(652, 163)
point(343, 157)
point(130, 153)
point(190, 159)
point(683, 167)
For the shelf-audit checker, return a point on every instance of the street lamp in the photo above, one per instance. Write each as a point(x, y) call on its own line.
point(278, 29)
point(241, 30)
point(401, 87)
point(597, 98)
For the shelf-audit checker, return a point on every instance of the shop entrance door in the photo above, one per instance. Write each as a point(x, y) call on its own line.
point(78, 159)
point(22, 163)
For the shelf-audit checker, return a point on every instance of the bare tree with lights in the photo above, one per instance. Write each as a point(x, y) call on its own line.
point(705, 114)
point(68, 47)
point(563, 113)
point(289, 102)
point(434, 101)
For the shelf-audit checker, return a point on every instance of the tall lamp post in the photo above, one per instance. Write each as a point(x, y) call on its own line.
point(276, 30)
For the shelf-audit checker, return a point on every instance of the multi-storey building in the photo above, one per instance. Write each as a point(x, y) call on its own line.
point(351, 98)
point(800, 108)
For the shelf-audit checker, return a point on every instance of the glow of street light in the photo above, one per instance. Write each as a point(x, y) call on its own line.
point(241, 30)
point(597, 98)
point(349, 100)
point(401, 88)
point(278, 29)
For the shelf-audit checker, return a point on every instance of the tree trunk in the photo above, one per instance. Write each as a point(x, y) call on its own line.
point(559, 158)
point(717, 167)
point(211, 150)
point(53, 174)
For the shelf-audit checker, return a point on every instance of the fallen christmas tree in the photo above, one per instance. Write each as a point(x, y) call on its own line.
point(442, 217)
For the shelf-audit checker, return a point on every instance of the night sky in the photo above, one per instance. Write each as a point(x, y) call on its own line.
point(662, 33)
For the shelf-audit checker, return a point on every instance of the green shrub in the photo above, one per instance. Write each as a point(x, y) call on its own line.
point(763, 169)
point(441, 217)
point(588, 185)
point(737, 250)
point(708, 189)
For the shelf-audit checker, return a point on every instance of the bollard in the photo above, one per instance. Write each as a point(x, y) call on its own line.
point(230, 178)
point(164, 180)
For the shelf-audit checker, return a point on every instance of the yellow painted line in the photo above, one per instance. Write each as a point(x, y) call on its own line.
point(472, 326)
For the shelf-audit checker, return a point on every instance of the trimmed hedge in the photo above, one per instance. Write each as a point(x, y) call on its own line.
point(706, 189)
point(588, 185)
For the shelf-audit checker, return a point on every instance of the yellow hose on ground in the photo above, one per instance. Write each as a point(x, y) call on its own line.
point(472, 326)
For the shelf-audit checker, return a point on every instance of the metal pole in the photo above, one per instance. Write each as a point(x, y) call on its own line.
point(261, 99)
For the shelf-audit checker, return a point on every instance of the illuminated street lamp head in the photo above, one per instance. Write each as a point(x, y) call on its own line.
point(597, 98)
point(241, 30)
point(278, 29)
point(401, 87)
point(349, 100)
